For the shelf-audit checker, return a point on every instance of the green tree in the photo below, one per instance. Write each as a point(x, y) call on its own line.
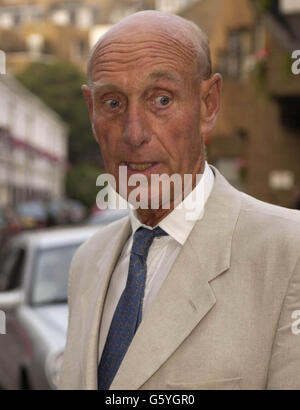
point(264, 6)
point(81, 183)
point(59, 86)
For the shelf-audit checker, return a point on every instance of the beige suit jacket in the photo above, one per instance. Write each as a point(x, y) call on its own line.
point(223, 317)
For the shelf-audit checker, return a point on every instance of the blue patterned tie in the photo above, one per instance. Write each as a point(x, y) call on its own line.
point(128, 313)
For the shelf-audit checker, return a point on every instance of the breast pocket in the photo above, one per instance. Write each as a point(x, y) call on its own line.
point(220, 384)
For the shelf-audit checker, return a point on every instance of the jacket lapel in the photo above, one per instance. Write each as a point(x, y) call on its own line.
point(100, 269)
point(186, 296)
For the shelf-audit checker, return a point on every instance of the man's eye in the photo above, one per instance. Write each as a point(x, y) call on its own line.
point(162, 100)
point(113, 103)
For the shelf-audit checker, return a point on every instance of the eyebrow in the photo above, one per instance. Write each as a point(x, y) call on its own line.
point(97, 86)
point(164, 75)
point(156, 75)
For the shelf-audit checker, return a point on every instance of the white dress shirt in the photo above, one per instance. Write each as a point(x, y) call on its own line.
point(162, 253)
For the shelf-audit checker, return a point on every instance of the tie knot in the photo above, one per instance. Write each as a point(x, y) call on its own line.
point(159, 232)
point(143, 239)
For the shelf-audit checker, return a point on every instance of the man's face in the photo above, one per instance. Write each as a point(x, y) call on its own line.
point(145, 107)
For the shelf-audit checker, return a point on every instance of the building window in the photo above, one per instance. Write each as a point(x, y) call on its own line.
point(11, 115)
point(235, 62)
point(289, 6)
point(289, 112)
point(29, 127)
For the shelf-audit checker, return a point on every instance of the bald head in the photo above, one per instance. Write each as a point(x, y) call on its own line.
point(184, 35)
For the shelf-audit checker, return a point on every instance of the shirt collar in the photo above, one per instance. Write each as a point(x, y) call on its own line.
point(180, 222)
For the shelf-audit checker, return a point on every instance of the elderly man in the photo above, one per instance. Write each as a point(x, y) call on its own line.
point(157, 300)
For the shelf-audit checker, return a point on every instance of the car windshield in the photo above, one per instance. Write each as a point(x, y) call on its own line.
point(51, 275)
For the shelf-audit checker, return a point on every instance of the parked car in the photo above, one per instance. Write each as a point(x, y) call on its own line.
point(32, 214)
point(9, 224)
point(64, 211)
point(2, 228)
point(33, 294)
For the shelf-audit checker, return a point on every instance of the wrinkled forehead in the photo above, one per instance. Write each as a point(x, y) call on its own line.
point(129, 48)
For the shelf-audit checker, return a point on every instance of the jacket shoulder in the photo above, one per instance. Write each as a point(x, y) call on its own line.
point(271, 224)
point(269, 211)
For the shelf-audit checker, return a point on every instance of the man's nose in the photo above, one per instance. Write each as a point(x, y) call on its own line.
point(136, 130)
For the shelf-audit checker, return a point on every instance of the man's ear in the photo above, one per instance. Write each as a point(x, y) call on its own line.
point(87, 93)
point(211, 90)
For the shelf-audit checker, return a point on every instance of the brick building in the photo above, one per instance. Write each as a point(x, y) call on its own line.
point(256, 142)
point(45, 30)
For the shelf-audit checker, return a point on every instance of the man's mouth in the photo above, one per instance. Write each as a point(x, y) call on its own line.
point(140, 167)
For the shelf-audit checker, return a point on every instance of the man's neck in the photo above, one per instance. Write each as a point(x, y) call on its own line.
point(152, 217)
